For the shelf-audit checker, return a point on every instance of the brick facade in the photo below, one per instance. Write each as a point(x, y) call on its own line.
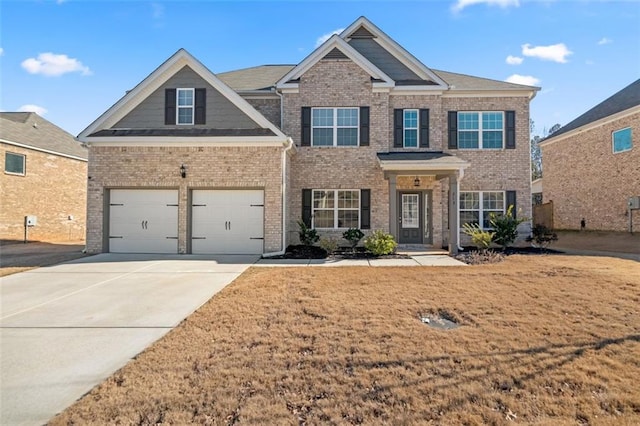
point(54, 188)
point(207, 168)
point(585, 179)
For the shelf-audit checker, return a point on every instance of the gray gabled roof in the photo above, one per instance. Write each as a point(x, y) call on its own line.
point(468, 82)
point(28, 128)
point(626, 98)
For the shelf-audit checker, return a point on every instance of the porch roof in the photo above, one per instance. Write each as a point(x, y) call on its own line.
point(428, 162)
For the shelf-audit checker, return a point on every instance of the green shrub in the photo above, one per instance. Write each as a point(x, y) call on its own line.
point(380, 243)
point(542, 237)
point(353, 235)
point(505, 227)
point(308, 236)
point(480, 238)
point(330, 244)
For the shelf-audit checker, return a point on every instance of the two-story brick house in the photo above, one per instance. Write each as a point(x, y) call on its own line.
point(359, 134)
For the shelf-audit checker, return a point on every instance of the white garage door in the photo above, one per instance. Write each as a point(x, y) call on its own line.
point(143, 221)
point(227, 221)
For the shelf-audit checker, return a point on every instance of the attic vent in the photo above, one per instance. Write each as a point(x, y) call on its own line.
point(335, 54)
point(361, 32)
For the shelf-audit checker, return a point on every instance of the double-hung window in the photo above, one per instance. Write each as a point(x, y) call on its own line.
point(476, 207)
point(185, 106)
point(334, 209)
point(622, 140)
point(14, 164)
point(410, 128)
point(334, 126)
point(481, 130)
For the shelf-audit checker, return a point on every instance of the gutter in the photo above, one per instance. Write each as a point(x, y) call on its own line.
point(289, 145)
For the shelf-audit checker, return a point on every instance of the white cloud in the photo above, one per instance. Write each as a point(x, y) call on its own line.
point(527, 80)
point(514, 60)
point(327, 36)
point(554, 52)
point(157, 10)
point(51, 64)
point(1, 51)
point(604, 40)
point(461, 4)
point(33, 108)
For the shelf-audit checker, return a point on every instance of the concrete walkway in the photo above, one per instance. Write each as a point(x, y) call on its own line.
point(66, 328)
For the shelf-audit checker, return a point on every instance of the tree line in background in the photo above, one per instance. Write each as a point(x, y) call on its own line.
point(536, 154)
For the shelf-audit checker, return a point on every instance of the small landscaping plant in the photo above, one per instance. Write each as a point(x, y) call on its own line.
point(480, 238)
point(308, 236)
point(330, 244)
point(353, 235)
point(541, 236)
point(380, 243)
point(505, 227)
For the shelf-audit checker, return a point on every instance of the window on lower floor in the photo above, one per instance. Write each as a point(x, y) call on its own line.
point(334, 209)
point(480, 130)
point(334, 127)
point(476, 207)
point(622, 140)
point(14, 163)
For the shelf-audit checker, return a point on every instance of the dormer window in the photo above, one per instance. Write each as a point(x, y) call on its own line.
point(185, 106)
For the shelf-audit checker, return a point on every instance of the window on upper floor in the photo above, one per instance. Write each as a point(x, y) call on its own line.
point(14, 164)
point(336, 209)
point(185, 106)
point(411, 128)
point(482, 130)
point(334, 126)
point(622, 140)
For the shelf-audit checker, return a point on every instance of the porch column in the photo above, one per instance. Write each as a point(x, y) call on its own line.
point(453, 213)
point(393, 207)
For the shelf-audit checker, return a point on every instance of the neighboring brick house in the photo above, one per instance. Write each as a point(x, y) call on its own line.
point(45, 175)
point(592, 165)
point(359, 134)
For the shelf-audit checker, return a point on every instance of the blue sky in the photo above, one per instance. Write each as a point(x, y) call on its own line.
point(72, 59)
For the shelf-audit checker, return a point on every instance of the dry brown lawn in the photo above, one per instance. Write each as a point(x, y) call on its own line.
point(544, 340)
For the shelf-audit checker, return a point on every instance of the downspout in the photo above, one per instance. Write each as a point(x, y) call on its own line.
point(460, 176)
point(289, 146)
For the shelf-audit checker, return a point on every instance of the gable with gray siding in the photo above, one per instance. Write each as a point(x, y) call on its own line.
point(220, 112)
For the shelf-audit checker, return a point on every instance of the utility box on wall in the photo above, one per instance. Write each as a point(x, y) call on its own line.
point(30, 220)
point(634, 203)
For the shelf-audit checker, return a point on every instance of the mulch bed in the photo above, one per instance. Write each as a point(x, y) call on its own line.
point(313, 252)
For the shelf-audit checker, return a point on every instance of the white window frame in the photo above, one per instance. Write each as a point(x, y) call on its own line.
point(335, 207)
point(613, 139)
point(405, 128)
point(480, 129)
point(335, 127)
point(481, 211)
point(24, 164)
point(192, 107)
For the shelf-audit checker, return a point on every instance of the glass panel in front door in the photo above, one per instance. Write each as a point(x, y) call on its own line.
point(410, 211)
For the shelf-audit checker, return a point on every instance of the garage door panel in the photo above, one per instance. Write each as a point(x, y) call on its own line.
point(227, 221)
point(143, 221)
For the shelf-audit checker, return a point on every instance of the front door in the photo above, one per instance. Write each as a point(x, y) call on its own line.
point(410, 218)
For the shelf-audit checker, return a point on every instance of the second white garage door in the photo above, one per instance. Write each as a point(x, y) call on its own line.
point(227, 221)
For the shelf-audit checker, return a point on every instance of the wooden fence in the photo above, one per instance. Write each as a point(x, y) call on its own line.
point(543, 214)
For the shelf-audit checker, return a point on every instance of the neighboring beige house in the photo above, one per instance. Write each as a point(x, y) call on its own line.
point(592, 165)
point(45, 176)
point(359, 134)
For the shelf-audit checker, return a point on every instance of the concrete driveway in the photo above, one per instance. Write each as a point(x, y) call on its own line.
point(65, 328)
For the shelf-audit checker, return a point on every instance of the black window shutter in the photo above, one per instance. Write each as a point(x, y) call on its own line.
point(511, 201)
point(169, 106)
point(365, 208)
point(364, 126)
point(511, 129)
point(305, 137)
point(306, 207)
point(398, 128)
point(453, 129)
point(424, 128)
point(201, 106)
